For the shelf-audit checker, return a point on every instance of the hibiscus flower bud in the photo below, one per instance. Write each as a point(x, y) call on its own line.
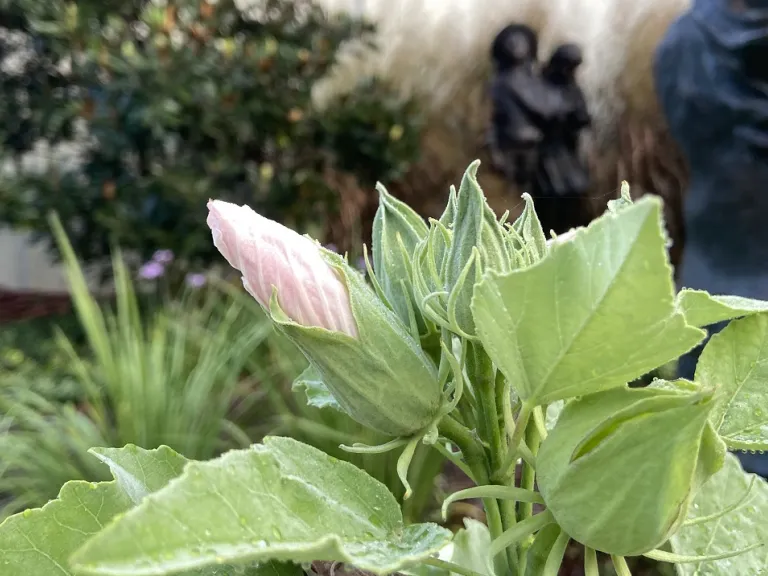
point(621, 467)
point(270, 255)
point(362, 351)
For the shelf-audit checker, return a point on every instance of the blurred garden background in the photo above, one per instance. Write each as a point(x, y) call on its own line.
point(118, 121)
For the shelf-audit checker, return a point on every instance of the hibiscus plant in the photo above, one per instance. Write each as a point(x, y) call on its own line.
point(508, 353)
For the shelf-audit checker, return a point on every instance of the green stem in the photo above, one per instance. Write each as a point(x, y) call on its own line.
point(556, 554)
point(507, 469)
point(450, 567)
point(621, 566)
point(509, 421)
point(475, 460)
point(521, 531)
point(492, 491)
point(487, 381)
point(490, 415)
point(672, 558)
point(528, 472)
point(317, 431)
point(527, 481)
point(540, 420)
point(426, 467)
point(455, 458)
point(590, 562)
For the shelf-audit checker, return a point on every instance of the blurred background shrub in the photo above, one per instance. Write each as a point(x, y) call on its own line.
point(149, 108)
point(169, 377)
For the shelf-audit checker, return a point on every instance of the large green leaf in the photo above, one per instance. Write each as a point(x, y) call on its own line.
point(738, 529)
point(40, 542)
point(281, 500)
point(702, 309)
point(736, 362)
point(596, 313)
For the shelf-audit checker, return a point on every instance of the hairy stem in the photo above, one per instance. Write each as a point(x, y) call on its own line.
point(507, 468)
point(475, 459)
point(527, 481)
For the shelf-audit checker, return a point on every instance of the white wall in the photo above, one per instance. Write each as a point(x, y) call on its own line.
point(24, 266)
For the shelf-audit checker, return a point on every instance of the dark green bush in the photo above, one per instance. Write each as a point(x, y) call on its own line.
point(177, 102)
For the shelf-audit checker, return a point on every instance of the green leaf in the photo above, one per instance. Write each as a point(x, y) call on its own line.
point(479, 243)
point(735, 530)
point(553, 413)
point(40, 542)
point(616, 451)
point(702, 309)
point(280, 500)
point(471, 547)
point(623, 201)
point(140, 472)
point(449, 214)
point(736, 362)
point(679, 385)
point(317, 392)
point(596, 313)
point(528, 228)
point(397, 230)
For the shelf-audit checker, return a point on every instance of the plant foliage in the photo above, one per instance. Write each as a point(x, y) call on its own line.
point(534, 373)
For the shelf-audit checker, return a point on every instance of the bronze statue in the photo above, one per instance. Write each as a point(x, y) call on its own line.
point(538, 115)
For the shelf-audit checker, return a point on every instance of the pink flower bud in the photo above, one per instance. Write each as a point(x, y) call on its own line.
point(309, 290)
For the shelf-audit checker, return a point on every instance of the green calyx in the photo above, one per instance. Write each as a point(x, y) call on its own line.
point(397, 230)
point(621, 467)
point(479, 243)
point(465, 242)
point(526, 237)
point(382, 378)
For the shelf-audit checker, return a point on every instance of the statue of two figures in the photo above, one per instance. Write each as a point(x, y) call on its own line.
point(538, 113)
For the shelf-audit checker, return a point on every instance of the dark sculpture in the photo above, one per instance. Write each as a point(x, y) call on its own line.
point(562, 181)
point(711, 75)
point(538, 115)
point(517, 94)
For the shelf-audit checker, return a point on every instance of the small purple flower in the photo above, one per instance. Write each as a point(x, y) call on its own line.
point(332, 247)
point(163, 257)
point(151, 270)
point(195, 280)
point(361, 264)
